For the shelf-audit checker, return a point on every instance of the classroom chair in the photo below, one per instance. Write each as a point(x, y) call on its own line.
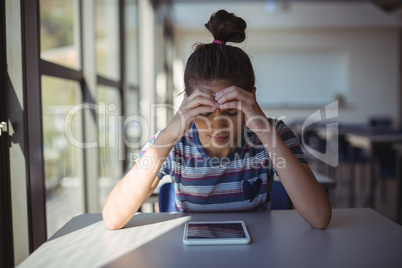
point(386, 169)
point(385, 157)
point(167, 196)
point(279, 197)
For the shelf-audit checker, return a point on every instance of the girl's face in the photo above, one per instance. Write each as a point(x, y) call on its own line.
point(219, 131)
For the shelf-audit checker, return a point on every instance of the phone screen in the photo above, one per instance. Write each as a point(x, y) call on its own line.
point(215, 230)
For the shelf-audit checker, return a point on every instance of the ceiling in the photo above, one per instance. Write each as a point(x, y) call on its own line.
point(288, 14)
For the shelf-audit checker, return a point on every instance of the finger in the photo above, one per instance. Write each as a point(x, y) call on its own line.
point(201, 92)
point(224, 91)
point(231, 105)
point(197, 93)
point(233, 92)
point(200, 101)
point(232, 95)
point(201, 110)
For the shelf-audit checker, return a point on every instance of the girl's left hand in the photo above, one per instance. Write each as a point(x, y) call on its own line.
point(234, 97)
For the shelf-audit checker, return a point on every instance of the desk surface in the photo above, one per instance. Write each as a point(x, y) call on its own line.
point(365, 140)
point(355, 238)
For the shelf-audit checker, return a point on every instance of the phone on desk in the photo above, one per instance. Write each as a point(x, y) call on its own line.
point(215, 233)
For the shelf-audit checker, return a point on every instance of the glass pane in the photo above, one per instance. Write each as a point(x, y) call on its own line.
point(132, 42)
point(63, 156)
point(107, 39)
point(59, 41)
point(111, 152)
point(133, 127)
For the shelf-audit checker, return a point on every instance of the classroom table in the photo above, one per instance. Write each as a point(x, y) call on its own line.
point(368, 142)
point(335, 138)
point(354, 238)
point(398, 148)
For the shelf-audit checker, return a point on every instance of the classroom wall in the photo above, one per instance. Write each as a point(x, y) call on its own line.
point(371, 66)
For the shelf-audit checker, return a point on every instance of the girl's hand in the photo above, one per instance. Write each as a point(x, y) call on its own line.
point(237, 98)
point(200, 101)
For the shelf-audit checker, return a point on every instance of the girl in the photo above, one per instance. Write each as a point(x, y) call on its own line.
point(220, 150)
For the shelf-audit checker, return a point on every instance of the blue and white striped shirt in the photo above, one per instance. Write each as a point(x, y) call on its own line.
point(240, 181)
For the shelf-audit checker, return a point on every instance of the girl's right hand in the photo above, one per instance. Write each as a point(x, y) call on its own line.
point(200, 101)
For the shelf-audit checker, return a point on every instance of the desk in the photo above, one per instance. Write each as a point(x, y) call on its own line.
point(368, 142)
point(354, 238)
point(334, 139)
point(398, 148)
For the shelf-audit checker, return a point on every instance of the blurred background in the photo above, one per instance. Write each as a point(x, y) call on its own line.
point(87, 83)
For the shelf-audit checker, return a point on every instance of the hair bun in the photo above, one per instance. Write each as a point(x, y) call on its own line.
point(227, 27)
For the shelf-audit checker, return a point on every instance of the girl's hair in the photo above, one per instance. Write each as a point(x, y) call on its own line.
point(212, 62)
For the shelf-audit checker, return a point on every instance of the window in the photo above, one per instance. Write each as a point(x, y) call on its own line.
point(132, 133)
point(107, 39)
point(63, 157)
point(59, 28)
point(78, 80)
point(64, 58)
point(111, 152)
point(131, 28)
point(132, 128)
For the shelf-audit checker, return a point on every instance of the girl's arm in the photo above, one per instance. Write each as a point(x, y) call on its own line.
point(138, 184)
point(307, 195)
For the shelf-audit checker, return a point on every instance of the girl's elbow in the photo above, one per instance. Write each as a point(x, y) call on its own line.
point(111, 226)
point(320, 225)
point(322, 221)
point(110, 222)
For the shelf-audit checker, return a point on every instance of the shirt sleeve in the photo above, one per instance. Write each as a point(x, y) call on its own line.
point(167, 164)
point(290, 139)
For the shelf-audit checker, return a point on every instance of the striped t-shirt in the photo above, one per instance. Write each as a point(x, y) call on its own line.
point(240, 181)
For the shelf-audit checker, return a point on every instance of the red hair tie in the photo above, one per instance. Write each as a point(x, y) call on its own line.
point(219, 42)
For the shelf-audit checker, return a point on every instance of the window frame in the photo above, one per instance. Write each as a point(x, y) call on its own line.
point(35, 68)
point(6, 228)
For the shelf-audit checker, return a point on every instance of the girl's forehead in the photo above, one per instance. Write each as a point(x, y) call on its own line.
point(213, 86)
